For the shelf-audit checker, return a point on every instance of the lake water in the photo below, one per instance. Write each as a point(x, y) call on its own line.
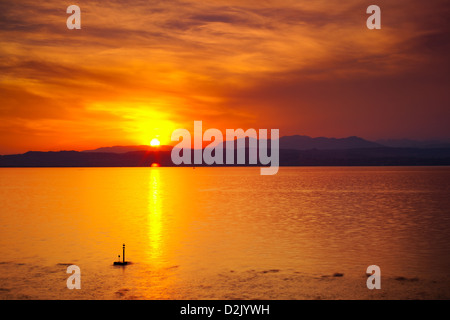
point(217, 232)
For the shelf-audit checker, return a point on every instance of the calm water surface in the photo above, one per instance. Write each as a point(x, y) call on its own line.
point(185, 228)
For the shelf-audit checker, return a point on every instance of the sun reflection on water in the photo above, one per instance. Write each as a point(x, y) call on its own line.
point(154, 216)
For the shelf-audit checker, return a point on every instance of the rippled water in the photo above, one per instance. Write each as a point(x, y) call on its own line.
point(194, 233)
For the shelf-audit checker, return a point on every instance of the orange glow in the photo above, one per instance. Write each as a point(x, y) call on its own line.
point(155, 164)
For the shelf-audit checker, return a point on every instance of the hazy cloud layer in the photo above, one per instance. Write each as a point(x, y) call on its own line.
point(142, 68)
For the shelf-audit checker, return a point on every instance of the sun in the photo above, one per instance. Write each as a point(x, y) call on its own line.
point(155, 142)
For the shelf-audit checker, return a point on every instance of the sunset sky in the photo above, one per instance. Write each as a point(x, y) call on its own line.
point(140, 69)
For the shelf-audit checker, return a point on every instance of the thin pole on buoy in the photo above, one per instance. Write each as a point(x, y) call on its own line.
point(123, 262)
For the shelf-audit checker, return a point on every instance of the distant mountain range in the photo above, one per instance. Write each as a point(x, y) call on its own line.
point(407, 143)
point(307, 143)
point(299, 142)
point(383, 156)
point(294, 151)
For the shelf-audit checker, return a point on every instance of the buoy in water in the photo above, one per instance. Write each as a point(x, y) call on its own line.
point(123, 262)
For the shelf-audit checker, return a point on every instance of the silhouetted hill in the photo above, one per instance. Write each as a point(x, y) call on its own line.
point(84, 159)
point(298, 142)
point(407, 143)
point(381, 156)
